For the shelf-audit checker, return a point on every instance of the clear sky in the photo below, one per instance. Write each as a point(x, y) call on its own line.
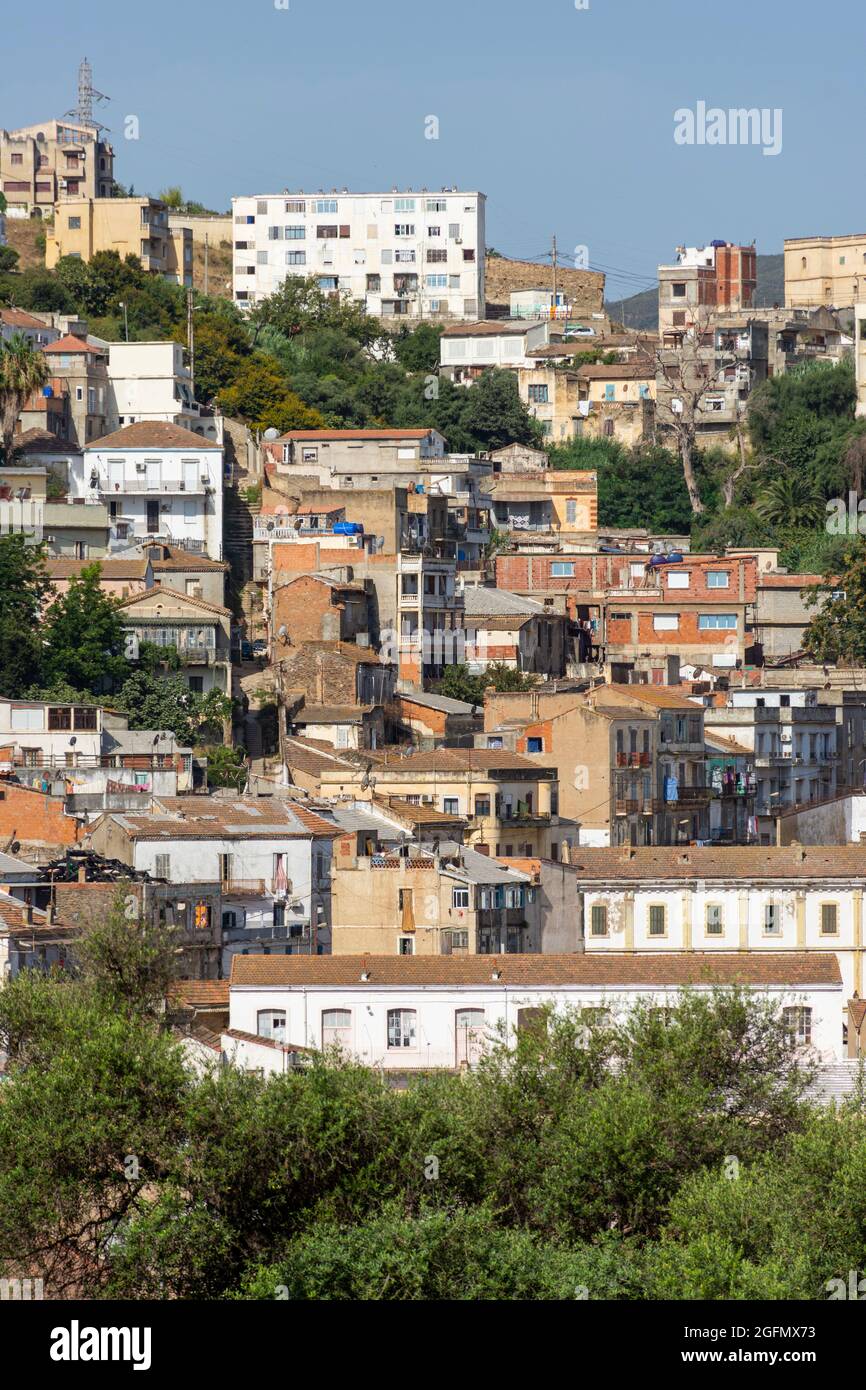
point(564, 117)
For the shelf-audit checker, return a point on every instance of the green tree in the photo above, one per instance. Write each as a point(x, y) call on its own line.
point(8, 258)
point(125, 960)
point(417, 349)
point(23, 370)
point(837, 631)
point(23, 589)
point(790, 502)
point(84, 635)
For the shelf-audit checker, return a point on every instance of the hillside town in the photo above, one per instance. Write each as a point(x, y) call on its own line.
point(422, 646)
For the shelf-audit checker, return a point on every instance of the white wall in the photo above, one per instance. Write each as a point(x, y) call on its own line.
point(192, 514)
point(436, 1010)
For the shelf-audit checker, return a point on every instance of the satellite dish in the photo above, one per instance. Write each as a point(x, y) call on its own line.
point(271, 434)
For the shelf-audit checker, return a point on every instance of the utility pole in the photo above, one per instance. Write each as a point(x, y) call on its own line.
point(205, 261)
point(553, 315)
point(190, 338)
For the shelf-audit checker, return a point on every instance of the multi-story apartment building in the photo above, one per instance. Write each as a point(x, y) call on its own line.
point(425, 903)
point(827, 270)
point(732, 898)
point(271, 858)
point(606, 759)
point(696, 609)
point(467, 350)
point(160, 482)
point(794, 742)
point(506, 629)
point(719, 277)
point(74, 405)
point(52, 162)
point(616, 401)
point(197, 631)
point(130, 226)
point(417, 255)
point(153, 381)
point(681, 789)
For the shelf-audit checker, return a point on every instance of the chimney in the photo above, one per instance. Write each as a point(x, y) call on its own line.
point(28, 913)
point(82, 875)
point(49, 914)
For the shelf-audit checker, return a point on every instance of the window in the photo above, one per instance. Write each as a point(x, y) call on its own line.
point(405, 946)
point(404, 204)
point(326, 231)
point(296, 258)
point(271, 1023)
point(535, 745)
point(718, 579)
point(714, 621)
point(401, 1027)
point(561, 569)
point(666, 622)
point(772, 923)
point(678, 579)
point(25, 718)
point(279, 914)
point(436, 205)
point(293, 205)
point(75, 224)
point(678, 290)
point(598, 920)
point(436, 282)
point(657, 921)
point(829, 919)
point(460, 941)
point(798, 1023)
point(539, 394)
point(336, 1026)
point(460, 897)
point(60, 719)
point(85, 718)
point(451, 806)
point(325, 205)
point(162, 865)
point(404, 229)
point(436, 255)
point(713, 919)
point(482, 806)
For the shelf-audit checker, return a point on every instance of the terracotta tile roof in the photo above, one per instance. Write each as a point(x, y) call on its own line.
point(728, 745)
point(108, 569)
point(200, 994)
point(329, 436)
point(17, 318)
point(742, 862)
point(151, 434)
point(179, 559)
point(789, 968)
point(492, 328)
point(178, 597)
point(316, 756)
point(454, 760)
point(419, 815)
point(663, 696)
point(69, 343)
point(857, 1011)
point(241, 1036)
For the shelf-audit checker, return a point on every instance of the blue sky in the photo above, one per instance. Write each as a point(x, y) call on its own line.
point(564, 117)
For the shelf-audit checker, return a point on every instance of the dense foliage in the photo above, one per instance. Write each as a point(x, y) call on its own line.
point(690, 1168)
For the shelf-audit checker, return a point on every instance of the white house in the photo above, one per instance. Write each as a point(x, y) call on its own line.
point(271, 857)
point(412, 254)
point(409, 1013)
point(153, 381)
point(161, 480)
point(468, 349)
point(730, 898)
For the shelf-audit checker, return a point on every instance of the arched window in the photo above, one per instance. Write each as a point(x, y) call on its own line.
point(336, 1026)
point(401, 1027)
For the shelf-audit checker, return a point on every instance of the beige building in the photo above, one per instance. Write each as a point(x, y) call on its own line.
point(51, 162)
point(429, 904)
point(130, 226)
point(825, 270)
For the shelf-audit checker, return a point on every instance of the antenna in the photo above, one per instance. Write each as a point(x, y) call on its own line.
point(87, 94)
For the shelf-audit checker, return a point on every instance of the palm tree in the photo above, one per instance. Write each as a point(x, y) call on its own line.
point(23, 370)
point(790, 502)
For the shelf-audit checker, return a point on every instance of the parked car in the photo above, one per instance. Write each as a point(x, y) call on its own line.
point(260, 647)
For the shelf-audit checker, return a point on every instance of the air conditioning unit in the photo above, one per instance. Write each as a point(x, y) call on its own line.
point(458, 241)
point(141, 468)
point(426, 801)
point(205, 478)
point(182, 486)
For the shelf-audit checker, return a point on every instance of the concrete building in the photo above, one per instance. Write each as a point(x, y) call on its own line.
point(199, 633)
point(153, 381)
point(430, 902)
point(162, 481)
point(794, 743)
point(415, 255)
point(407, 1013)
point(467, 350)
point(825, 270)
point(271, 858)
point(506, 629)
point(130, 226)
point(18, 322)
point(751, 900)
point(53, 162)
point(720, 278)
point(552, 505)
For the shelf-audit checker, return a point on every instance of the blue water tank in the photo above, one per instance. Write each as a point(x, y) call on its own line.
point(348, 528)
point(48, 390)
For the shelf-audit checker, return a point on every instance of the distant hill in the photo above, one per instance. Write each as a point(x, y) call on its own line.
point(642, 310)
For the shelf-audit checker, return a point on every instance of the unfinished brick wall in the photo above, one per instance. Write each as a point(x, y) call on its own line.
point(585, 288)
point(35, 818)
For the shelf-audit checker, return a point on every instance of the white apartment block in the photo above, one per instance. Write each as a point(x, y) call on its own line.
point(159, 481)
point(413, 255)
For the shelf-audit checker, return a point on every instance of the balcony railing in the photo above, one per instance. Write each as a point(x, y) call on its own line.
point(109, 488)
point(243, 887)
point(691, 795)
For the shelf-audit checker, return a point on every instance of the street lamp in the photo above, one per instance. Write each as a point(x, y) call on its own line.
point(122, 305)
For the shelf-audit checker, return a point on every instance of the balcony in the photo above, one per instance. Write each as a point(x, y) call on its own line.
point(691, 796)
point(633, 759)
point(244, 887)
point(163, 488)
point(197, 656)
